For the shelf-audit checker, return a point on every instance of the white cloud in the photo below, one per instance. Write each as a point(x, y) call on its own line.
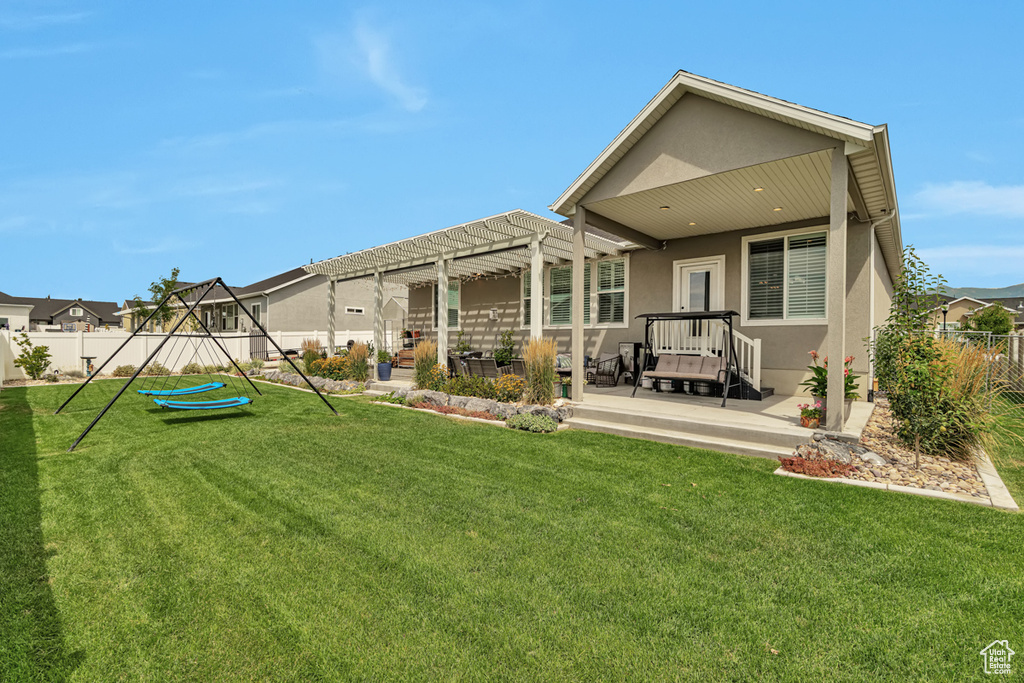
point(976, 259)
point(32, 21)
point(975, 197)
point(374, 58)
point(52, 51)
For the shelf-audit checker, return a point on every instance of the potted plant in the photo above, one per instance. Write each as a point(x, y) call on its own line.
point(384, 365)
point(818, 383)
point(810, 415)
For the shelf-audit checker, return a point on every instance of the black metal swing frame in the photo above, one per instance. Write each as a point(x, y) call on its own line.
point(205, 288)
point(649, 360)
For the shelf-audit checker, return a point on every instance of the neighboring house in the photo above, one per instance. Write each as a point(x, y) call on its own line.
point(959, 309)
point(291, 301)
point(713, 197)
point(68, 315)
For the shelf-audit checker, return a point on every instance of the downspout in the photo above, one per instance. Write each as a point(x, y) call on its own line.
point(871, 295)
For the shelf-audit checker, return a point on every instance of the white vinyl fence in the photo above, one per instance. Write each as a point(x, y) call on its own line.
point(68, 348)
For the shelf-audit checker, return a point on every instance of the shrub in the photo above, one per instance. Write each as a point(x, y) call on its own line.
point(506, 348)
point(424, 360)
point(310, 345)
point(994, 319)
point(192, 369)
point(123, 371)
point(461, 344)
point(309, 357)
point(74, 373)
point(541, 424)
point(509, 388)
point(256, 363)
point(539, 356)
point(155, 369)
point(358, 362)
point(476, 387)
point(335, 367)
point(33, 359)
point(391, 398)
point(383, 356)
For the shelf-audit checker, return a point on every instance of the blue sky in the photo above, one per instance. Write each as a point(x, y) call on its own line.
point(242, 139)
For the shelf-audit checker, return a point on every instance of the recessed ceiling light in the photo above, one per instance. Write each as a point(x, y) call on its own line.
point(693, 224)
point(663, 208)
point(758, 189)
point(777, 208)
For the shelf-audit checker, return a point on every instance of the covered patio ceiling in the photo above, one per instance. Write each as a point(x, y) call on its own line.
point(492, 246)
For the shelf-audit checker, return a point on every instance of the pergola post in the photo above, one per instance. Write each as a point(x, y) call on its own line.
point(537, 288)
point(378, 317)
point(331, 346)
point(578, 257)
point(442, 312)
point(835, 343)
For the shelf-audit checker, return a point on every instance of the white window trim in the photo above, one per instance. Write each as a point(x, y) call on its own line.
point(355, 310)
point(718, 286)
point(546, 295)
point(745, 283)
point(433, 305)
point(73, 309)
point(225, 318)
point(253, 308)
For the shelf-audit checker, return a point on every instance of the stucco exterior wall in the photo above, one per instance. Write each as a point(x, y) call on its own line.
point(17, 316)
point(303, 305)
point(784, 347)
point(698, 137)
point(883, 287)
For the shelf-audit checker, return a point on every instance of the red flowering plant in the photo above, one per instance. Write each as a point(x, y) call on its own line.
point(818, 383)
point(812, 412)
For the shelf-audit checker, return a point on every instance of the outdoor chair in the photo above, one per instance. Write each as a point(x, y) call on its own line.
point(519, 367)
point(608, 370)
point(475, 367)
point(490, 368)
point(454, 366)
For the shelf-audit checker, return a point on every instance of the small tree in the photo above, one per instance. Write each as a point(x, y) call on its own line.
point(33, 359)
point(994, 319)
point(158, 291)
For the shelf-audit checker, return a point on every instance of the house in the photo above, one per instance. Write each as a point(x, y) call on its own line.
point(68, 315)
point(959, 309)
point(712, 198)
point(290, 301)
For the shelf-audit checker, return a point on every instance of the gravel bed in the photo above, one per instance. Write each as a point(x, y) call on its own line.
point(936, 473)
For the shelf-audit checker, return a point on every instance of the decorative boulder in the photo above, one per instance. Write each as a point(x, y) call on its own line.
point(505, 410)
point(458, 401)
point(437, 398)
point(415, 396)
point(483, 404)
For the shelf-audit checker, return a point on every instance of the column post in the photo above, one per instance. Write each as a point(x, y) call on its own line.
point(835, 343)
point(442, 311)
point(578, 257)
point(537, 288)
point(378, 317)
point(331, 346)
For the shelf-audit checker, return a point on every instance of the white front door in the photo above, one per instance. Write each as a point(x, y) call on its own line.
point(699, 285)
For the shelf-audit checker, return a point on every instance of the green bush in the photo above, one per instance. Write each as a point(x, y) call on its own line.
point(309, 356)
point(994, 319)
point(213, 369)
point(155, 369)
point(123, 371)
point(509, 388)
point(33, 359)
point(476, 387)
point(192, 369)
point(532, 423)
point(506, 348)
point(424, 360)
point(335, 367)
point(359, 362)
point(256, 363)
point(391, 398)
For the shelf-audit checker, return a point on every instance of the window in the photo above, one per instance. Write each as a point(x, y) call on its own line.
point(453, 304)
point(611, 291)
point(75, 311)
point(257, 312)
point(607, 277)
point(354, 310)
point(230, 315)
point(787, 277)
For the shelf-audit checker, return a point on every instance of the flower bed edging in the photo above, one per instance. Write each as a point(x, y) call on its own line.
point(503, 410)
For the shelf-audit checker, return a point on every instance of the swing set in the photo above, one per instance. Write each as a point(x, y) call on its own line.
point(156, 387)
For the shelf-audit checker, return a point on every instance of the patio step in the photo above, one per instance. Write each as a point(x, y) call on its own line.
point(701, 428)
point(681, 438)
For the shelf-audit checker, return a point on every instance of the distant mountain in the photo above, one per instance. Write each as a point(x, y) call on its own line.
point(987, 293)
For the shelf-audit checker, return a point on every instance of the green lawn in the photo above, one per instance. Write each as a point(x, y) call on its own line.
point(290, 544)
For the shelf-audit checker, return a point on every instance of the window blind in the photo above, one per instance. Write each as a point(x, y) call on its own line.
point(561, 295)
point(805, 297)
point(767, 264)
point(527, 284)
point(611, 294)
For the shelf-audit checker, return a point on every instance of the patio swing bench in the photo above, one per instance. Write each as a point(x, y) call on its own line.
point(677, 369)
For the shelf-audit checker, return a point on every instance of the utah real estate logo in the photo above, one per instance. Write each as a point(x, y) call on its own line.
point(997, 657)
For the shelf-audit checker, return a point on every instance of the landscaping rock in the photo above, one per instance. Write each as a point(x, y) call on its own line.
point(415, 396)
point(401, 392)
point(505, 410)
point(483, 404)
point(437, 398)
point(564, 412)
point(543, 410)
point(873, 458)
point(318, 382)
point(458, 401)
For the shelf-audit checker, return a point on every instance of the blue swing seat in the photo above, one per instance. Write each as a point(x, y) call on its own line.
point(236, 402)
point(183, 392)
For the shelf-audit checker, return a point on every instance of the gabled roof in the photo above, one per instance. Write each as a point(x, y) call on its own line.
point(867, 147)
point(46, 308)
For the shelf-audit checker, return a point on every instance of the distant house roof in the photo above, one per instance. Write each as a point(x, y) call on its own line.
point(1014, 305)
point(45, 309)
